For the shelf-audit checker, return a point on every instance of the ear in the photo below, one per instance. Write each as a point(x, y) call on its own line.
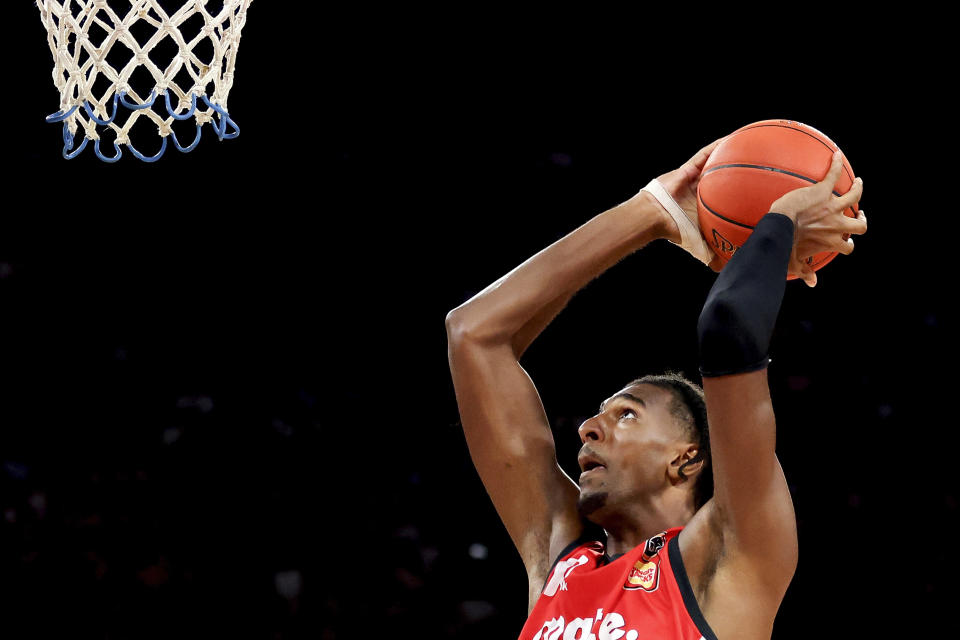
point(683, 467)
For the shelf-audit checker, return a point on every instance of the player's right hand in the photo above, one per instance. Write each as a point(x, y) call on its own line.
point(819, 222)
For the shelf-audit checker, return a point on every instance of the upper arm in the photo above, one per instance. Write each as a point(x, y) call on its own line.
point(512, 447)
point(751, 495)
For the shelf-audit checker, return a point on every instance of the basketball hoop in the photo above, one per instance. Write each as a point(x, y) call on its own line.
point(119, 61)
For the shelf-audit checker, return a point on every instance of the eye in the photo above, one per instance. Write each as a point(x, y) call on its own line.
point(627, 412)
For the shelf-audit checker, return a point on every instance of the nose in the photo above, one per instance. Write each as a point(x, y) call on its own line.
point(591, 429)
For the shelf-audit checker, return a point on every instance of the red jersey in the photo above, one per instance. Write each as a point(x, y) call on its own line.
point(645, 593)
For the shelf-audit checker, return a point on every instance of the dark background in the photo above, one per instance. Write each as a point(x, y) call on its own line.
point(225, 399)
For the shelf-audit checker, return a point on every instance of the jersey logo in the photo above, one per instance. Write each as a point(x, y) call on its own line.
point(558, 579)
point(645, 573)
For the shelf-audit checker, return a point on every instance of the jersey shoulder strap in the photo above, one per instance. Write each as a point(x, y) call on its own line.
point(591, 535)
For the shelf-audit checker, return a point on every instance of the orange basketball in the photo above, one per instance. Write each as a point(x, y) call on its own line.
point(751, 169)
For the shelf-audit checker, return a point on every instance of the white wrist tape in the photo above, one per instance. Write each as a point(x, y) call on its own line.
point(690, 237)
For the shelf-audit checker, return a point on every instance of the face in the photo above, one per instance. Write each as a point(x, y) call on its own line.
point(629, 449)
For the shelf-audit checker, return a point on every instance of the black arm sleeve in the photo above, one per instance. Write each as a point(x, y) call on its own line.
point(737, 320)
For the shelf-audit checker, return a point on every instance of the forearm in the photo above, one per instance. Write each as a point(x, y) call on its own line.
point(737, 320)
point(519, 305)
point(535, 326)
point(750, 497)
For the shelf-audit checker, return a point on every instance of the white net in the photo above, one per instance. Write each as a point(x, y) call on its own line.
point(117, 62)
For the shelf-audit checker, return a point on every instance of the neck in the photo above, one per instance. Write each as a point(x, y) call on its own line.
point(629, 528)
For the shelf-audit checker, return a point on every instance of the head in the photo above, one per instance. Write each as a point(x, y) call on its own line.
point(652, 445)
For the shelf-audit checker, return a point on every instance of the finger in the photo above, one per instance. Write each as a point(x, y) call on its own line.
point(856, 225)
point(852, 196)
point(833, 174)
point(700, 158)
point(803, 270)
point(844, 246)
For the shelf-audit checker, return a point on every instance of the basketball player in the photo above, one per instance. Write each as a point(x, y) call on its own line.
point(698, 534)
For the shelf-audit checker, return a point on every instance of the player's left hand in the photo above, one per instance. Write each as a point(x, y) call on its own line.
point(821, 224)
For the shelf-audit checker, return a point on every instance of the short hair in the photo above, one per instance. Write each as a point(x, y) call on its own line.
point(690, 409)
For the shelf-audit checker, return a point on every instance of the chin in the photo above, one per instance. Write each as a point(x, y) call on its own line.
point(589, 503)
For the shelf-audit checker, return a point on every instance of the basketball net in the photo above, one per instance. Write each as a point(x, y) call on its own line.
point(96, 45)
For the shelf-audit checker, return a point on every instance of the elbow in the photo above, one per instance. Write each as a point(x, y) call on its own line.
point(464, 327)
point(456, 325)
point(718, 323)
point(728, 344)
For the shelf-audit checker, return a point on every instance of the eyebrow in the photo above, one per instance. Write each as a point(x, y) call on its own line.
point(628, 396)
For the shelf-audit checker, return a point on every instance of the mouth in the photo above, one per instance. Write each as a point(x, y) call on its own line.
point(593, 470)
point(590, 464)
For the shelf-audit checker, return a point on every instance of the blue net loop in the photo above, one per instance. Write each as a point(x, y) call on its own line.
point(67, 137)
point(133, 106)
point(116, 147)
point(58, 116)
point(68, 144)
point(192, 146)
point(219, 124)
point(154, 158)
point(86, 106)
point(193, 106)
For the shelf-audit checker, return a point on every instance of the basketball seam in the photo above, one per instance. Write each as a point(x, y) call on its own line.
point(806, 133)
point(764, 168)
point(761, 166)
point(739, 224)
